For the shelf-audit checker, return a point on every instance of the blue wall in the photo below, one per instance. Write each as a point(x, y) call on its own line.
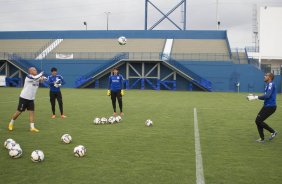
point(71, 70)
point(278, 82)
point(162, 34)
point(224, 75)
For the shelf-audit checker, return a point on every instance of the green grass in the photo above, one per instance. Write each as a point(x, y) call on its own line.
point(129, 152)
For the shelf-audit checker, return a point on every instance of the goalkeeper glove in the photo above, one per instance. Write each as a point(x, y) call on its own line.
point(122, 92)
point(252, 97)
point(57, 85)
point(58, 81)
point(109, 93)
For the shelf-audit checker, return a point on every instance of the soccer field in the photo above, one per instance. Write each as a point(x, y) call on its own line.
point(129, 152)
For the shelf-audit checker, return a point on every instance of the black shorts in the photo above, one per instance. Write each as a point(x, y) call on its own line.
point(25, 104)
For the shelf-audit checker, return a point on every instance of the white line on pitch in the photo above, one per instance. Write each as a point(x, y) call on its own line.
point(200, 179)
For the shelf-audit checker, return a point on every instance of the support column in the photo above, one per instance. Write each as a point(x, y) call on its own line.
point(7, 70)
point(159, 70)
point(127, 71)
point(143, 70)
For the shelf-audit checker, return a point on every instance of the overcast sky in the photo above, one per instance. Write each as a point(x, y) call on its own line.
point(236, 16)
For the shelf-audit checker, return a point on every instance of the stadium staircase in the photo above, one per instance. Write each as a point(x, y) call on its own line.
point(189, 75)
point(90, 77)
point(23, 65)
point(47, 49)
point(182, 70)
point(167, 49)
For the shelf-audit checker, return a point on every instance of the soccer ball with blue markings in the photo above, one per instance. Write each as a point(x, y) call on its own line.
point(16, 151)
point(66, 138)
point(37, 156)
point(10, 145)
point(79, 151)
point(8, 141)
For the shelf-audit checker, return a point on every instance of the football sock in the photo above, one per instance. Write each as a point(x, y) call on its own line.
point(12, 121)
point(31, 125)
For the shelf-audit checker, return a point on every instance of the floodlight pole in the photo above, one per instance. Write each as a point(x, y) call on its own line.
point(107, 14)
point(146, 15)
point(85, 23)
point(217, 16)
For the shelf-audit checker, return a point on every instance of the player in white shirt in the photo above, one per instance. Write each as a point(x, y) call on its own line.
point(27, 96)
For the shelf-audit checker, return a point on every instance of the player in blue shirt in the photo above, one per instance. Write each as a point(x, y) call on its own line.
point(55, 82)
point(268, 108)
point(115, 89)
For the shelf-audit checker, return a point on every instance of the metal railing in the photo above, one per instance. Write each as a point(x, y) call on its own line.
point(252, 49)
point(131, 55)
point(201, 56)
point(236, 58)
point(196, 78)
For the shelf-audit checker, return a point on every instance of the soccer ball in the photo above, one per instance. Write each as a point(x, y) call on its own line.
point(37, 156)
point(8, 141)
point(104, 120)
point(111, 119)
point(66, 138)
point(97, 121)
point(16, 152)
point(149, 122)
point(10, 145)
point(118, 119)
point(16, 146)
point(79, 151)
point(122, 40)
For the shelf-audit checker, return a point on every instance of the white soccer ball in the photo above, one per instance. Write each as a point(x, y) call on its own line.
point(37, 156)
point(149, 122)
point(118, 119)
point(16, 152)
point(97, 121)
point(104, 120)
point(122, 40)
point(79, 151)
point(66, 138)
point(16, 146)
point(111, 119)
point(10, 145)
point(8, 141)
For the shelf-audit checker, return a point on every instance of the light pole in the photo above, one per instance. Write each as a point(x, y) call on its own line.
point(85, 23)
point(107, 14)
point(217, 16)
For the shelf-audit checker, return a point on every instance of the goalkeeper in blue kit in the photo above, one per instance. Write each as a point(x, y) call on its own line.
point(268, 108)
point(115, 90)
point(55, 82)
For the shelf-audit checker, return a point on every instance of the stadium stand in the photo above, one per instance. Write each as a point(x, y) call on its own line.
point(200, 49)
point(24, 45)
point(108, 48)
